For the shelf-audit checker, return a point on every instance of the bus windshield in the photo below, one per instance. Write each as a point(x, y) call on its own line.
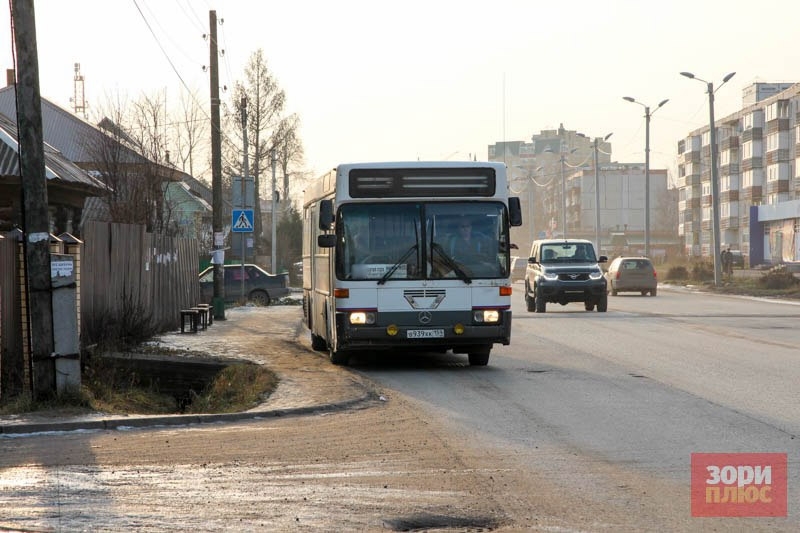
point(422, 240)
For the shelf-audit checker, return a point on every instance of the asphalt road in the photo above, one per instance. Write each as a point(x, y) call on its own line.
point(586, 422)
point(633, 392)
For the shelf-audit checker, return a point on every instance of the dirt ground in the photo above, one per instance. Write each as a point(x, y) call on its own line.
point(344, 456)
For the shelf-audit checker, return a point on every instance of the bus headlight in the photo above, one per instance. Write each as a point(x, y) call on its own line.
point(362, 317)
point(483, 316)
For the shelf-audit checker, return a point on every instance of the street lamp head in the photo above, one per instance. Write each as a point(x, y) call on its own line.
point(608, 136)
point(688, 75)
point(629, 98)
point(662, 102)
point(728, 77)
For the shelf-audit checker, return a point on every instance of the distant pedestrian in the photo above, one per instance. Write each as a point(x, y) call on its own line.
point(725, 260)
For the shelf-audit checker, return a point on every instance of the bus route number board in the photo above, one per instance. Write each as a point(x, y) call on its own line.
point(425, 333)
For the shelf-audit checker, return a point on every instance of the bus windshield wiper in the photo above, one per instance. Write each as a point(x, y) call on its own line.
point(449, 261)
point(397, 265)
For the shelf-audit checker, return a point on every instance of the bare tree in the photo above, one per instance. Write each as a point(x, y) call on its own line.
point(288, 152)
point(129, 154)
point(265, 102)
point(191, 133)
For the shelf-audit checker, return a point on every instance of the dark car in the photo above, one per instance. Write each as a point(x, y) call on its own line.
point(737, 258)
point(260, 287)
point(563, 271)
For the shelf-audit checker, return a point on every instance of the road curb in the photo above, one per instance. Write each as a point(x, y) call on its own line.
point(109, 424)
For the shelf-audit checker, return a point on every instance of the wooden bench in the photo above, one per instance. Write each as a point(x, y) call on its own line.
point(194, 319)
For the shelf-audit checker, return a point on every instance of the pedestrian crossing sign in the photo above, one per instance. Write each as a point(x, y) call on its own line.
point(242, 221)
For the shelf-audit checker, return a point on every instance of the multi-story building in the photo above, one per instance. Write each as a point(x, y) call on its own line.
point(554, 176)
point(759, 184)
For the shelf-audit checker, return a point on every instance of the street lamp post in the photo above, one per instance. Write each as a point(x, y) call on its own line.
point(715, 245)
point(530, 183)
point(647, 115)
point(597, 192)
point(563, 160)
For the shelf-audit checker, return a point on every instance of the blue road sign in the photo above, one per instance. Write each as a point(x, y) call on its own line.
point(242, 221)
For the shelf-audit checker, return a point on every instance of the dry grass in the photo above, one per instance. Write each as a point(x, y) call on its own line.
point(237, 387)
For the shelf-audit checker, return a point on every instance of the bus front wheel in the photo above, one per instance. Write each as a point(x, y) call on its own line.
point(318, 343)
point(338, 357)
point(479, 358)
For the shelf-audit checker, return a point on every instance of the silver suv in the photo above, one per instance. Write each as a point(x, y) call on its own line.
point(563, 271)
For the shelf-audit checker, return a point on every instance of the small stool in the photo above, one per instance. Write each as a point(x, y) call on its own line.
point(209, 312)
point(202, 317)
point(193, 315)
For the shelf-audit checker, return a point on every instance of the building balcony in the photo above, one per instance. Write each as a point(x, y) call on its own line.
point(705, 201)
point(729, 196)
point(753, 134)
point(728, 222)
point(731, 143)
point(776, 125)
point(705, 225)
point(706, 151)
point(691, 157)
point(777, 186)
point(752, 162)
point(752, 195)
point(693, 203)
point(778, 156)
point(730, 169)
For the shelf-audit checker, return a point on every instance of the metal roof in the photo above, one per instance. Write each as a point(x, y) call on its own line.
point(57, 167)
point(73, 136)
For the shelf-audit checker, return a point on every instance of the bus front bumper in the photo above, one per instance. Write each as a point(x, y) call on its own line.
point(434, 336)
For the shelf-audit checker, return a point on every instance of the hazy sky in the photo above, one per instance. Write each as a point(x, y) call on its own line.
point(434, 79)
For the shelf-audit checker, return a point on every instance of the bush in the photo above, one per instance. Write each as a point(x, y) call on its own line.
point(678, 273)
point(778, 277)
point(702, 271)
point(128, 327)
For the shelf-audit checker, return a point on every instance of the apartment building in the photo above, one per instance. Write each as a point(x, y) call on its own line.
point(554, 176)
point(759, 183)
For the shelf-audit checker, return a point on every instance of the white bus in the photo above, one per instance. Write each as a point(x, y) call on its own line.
point(409, 255)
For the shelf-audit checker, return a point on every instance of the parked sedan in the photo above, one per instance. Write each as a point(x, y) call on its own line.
point(632, 274)
point(260, 287)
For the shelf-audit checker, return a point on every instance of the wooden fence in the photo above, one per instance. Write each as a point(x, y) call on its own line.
point(123, 273)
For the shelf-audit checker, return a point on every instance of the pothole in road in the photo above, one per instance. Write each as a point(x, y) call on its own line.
point(423, 522)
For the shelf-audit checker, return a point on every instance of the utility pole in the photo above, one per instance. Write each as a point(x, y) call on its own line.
point(216, 173)
point(274, 162)
point(246, 165)
point(36, 219)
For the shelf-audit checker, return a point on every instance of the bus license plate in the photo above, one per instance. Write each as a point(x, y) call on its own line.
point(425, 333)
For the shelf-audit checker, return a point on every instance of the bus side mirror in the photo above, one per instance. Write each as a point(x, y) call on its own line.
point(514, 211)
point(326, 241)
point(326, 217)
